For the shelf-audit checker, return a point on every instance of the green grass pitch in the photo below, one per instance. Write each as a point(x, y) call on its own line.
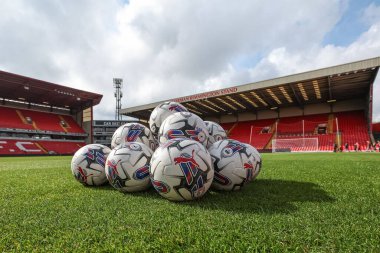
point(299, 202)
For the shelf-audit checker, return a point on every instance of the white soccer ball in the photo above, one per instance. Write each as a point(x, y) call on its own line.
point(133, 132)
point(87, 164)
point(215, 131)
point(161, 112)
point(183, 125)
point(181, 169)
point(235, 164)
point(127, 167)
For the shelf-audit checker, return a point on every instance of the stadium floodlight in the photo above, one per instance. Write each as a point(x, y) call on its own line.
point(118, 84)
point(295, 145)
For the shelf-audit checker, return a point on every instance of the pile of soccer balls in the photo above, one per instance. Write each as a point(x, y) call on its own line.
point(180, 155)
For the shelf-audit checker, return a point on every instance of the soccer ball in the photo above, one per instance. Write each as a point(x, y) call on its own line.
point(161, 112)
point(133, 132)
point(215, 131)
point(183, 125)
point(181, 169)
point(127, 167)
point(87, 164)
point(235, 164)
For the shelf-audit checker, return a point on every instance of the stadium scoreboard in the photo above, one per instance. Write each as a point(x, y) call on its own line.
point(104, 129)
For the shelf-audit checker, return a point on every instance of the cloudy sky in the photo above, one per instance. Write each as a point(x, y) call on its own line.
point(170, 48)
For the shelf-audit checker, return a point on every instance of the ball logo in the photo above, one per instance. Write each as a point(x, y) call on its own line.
point(113, 175)
point(81, 175)
point(191, 170)
point(176, 108)
point(232, 148)
point(112, 168)
point(141, 173)
point(177, 133)
point(95, 156)
point(221, 179)
point(198, 189)
point(134, 132)
point(160, 186)
point(193, 134)
point(188, 165)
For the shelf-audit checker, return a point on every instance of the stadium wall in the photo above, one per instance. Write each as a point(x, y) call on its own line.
point(290, 111)
point(246, 116)
point(350, 105)
point(267, 114)
point(104, 130)
point(87, 124)
point(316, 109)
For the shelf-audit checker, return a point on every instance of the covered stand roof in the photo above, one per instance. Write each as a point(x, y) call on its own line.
point(30, 90)
point(351, 80)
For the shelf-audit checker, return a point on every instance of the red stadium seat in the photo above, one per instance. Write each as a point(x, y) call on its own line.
point(353, 128)
point(62, 148)
point(242, 132)
point(45, 121)
point(21, 119)
point(11, 118)
point(296, 125)
point(38, 147)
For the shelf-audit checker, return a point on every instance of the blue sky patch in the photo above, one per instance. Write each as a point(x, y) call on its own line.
point(351, 25)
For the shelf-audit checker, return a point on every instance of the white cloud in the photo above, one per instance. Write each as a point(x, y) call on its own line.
point(171, 48)
point(282, 62)
point(371, 14)
point(185, 46)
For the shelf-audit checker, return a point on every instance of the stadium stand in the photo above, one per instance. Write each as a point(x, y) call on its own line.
point(299, 106)
point(11, 119)
point(38, 147)
point(258, 132)
point(71, 125)
point(42, 118)
point(326, 142)
point(18, 147)
point(352, 127)
point(45, 121)
point(57, 147)
point(23, 129)
point(298, 125)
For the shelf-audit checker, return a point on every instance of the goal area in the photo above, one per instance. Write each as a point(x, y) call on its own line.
point(295, 145)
